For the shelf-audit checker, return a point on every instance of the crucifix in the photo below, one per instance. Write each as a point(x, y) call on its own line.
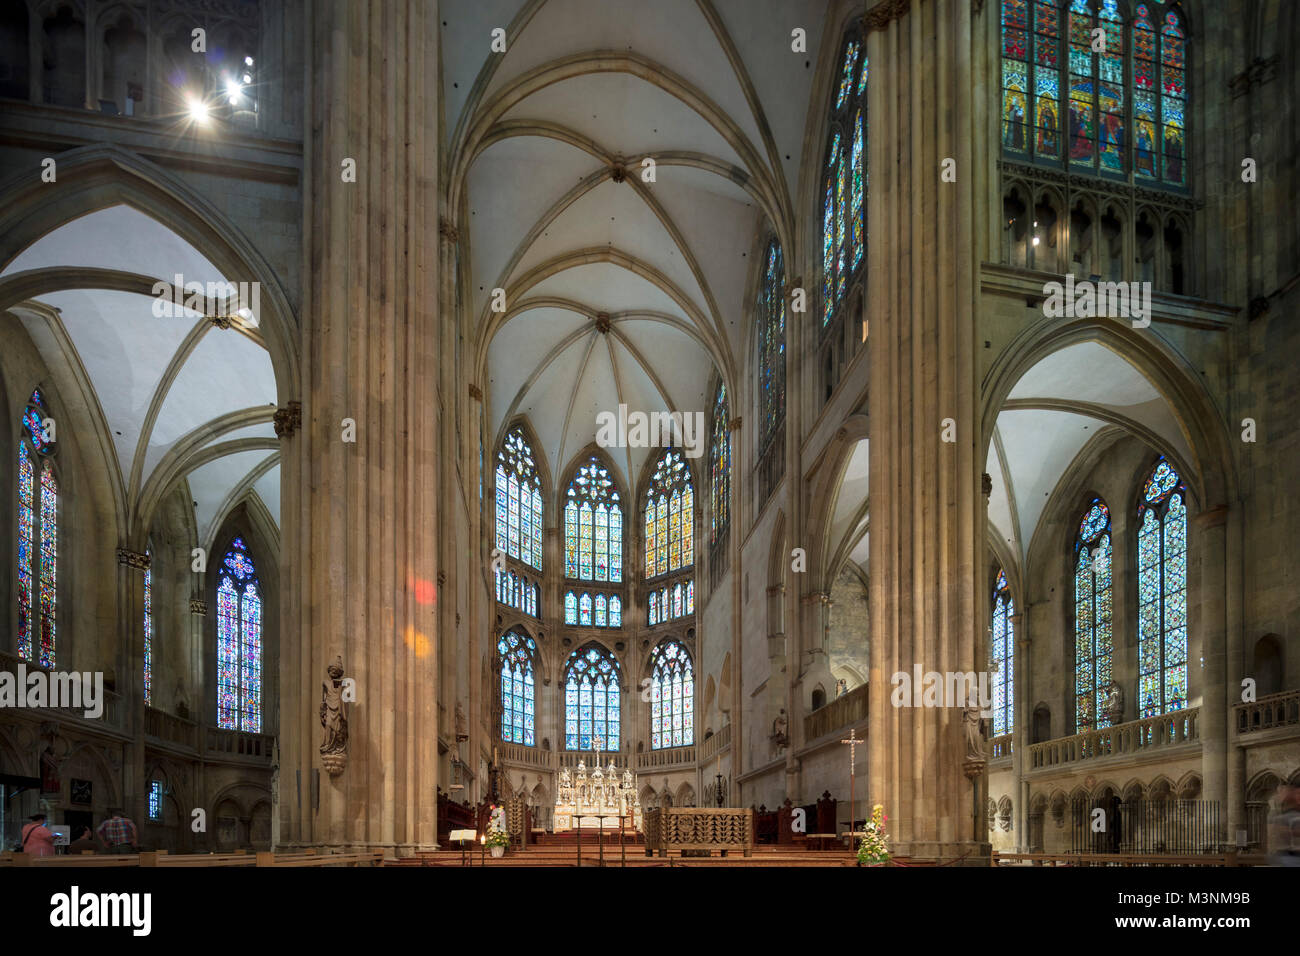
point(853, 742)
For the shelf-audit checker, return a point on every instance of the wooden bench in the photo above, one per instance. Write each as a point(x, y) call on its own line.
point(163, 858)
point(1123, 859)
point(68, 859)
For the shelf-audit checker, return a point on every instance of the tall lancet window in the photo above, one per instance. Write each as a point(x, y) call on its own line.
point(1117, 106)
point(1093, 640)
point(148, 628)
point(1002, 653)
point(591, 701)
point(518, 697)
point(593, 526)
point(38, 535)
point(844, 184)
point(1162, 593)
point(519, 501)
point(719, 469)
point(669, 517)
point(239, 642)
point(672, 697)
point(771, 346)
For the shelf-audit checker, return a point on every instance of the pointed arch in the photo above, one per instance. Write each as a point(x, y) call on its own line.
point(520, 516)
point(38, 534)
point(1093, 638)
point(592, 680)
point(517, 653)
point(239, 641)
point(1162, 592)
point(672, 696)
point(1002, 650)
point(593, 521)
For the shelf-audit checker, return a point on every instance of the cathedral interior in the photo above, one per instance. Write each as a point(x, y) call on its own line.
point(617, 406)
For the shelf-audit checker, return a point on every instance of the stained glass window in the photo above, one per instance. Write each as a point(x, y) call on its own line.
point(593, 526)
point(570, 608)
point(239, 642)
point(719, 468)
point(518, 690)
point(584, 610)
point(615, 611)
point(845, 186)
point(1126, 100)
point(1162, 593)
point(148, 627)
point(1002, 651)
point(672, 697)
point(591, 700)
point(771, 345)
point(670, 517)
point(593, 609)
point(38, 537)
point(1093, 640)
point(516, 590)
point(519, 501)
point(155, 799)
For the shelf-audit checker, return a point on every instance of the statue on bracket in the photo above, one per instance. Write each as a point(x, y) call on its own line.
point(334, 748)
point(780, 726)
point(1115, 704)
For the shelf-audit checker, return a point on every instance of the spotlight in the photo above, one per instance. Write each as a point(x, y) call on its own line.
point(248, 78)
point(198, 110)
point(248, 61)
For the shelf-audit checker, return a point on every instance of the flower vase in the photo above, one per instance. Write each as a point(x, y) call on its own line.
point(498, 852)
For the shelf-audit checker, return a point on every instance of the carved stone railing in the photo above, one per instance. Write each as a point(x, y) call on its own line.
point(1274, 710)
point(570, 758)
point(663, 759)
point(237, 743)
point(532, 756)
point(171, 729)
point(1000, 747)
point(1174, 729)
point(840, 712)
point(715, 744)
point(110, 716)
point(691, 828)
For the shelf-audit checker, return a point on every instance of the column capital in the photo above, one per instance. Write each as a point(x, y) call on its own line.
point(884, 13)
point(287, 419)
point(133, 559)
point(198, 607)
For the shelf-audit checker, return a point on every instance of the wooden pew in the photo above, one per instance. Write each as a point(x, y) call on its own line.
point(1124, 859)
point(80, 859)
point(163, 858)
point(312, 858)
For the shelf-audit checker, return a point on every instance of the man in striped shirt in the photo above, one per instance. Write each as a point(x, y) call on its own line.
point(117, 833)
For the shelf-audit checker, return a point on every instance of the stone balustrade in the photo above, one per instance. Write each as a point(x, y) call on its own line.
point(237, 743)
point(666, 758)
point(839, 713)
point(714, 745)
point(1001, 747)
point(1135, 736)
point(1273, 710)
point(570, 758)
point(111, 716)
point(171, 729)
point(532, 756)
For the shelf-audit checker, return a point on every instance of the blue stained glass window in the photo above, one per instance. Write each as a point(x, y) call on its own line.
point(771, 345)
point(591, 700)
point(148, 628)
point(1002, 649)
point(155, 800)
point(672, 697)
point(1093, 638)
point(239, 642)
point(720, 468)
point(670, 533)
point(516, 651)
point(519, 500)
point(1162, 593)
point(38, 537)
point(845, 186)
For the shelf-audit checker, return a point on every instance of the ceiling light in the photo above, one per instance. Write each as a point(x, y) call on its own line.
point(248, 61)
point(248, 78)
point(198, 110)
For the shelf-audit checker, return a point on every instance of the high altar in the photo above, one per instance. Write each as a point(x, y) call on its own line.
point(600, 800)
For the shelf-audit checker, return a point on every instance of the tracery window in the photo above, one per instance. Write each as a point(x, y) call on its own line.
point(518, 688)
point(668, 603)
point(593, 610)
point(672, 697)
point(239, 642)
point(38, 536)
point(519, 500)
point(1118, 107)
point(719, 468)
point(771, 345)
point(148, 627)
point(516, 590)
point(1093, 640)
point(593, 526)
point(1162, 593)
point(591, 699)
point(669, 517)
point(845, 184)
point(155, 799)
point(1002, 650)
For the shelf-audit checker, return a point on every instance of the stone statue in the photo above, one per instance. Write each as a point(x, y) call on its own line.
point(974, 736)
point(841, 687)
point(780, 726)
point(1115, 704)
point(50, 782)
point(627, 779)
point(461, 732)
point(334, 748)
point(565, 780)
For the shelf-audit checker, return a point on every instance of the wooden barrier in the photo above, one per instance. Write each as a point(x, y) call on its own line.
point(696, 828)
point(1125, 859)
point(312, 858)
point(68, 859)
point(161, 858)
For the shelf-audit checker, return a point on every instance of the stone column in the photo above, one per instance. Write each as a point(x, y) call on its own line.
point(363, 548)
point(927, 524)
point(1022, 731)
point(1209, 538)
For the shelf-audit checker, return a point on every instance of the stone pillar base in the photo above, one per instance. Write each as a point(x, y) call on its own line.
point(944, 854)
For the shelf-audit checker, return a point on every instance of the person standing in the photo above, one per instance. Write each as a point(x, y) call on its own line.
point(84, 842)
point(38, 839)
point(117, 833)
